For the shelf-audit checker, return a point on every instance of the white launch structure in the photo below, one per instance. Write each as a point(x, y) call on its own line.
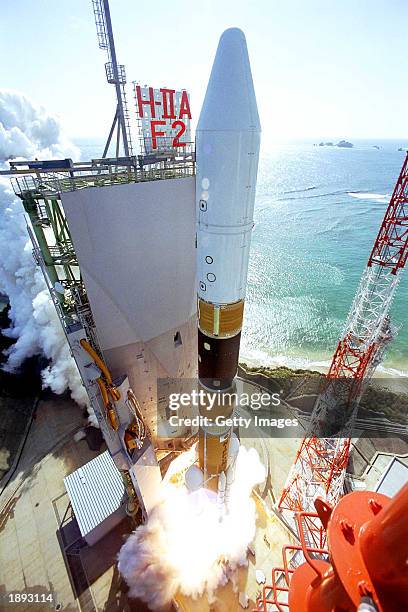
point(126, 301)
point(135, 248)
point(115, 239)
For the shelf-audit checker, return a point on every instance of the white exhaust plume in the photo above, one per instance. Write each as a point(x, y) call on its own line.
point(184, 546)
point(27, 131)
point(80, 435)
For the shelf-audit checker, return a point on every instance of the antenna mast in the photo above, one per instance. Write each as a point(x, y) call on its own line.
point(116, 75)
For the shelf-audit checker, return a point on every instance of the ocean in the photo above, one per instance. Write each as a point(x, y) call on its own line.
point(317, 213)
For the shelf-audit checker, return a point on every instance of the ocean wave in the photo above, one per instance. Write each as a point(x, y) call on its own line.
point(329, 230)
point(390, 372)
point(375, 197)
point(360, 195)
point(301, 190)
point(315, 195)
point(257, 357)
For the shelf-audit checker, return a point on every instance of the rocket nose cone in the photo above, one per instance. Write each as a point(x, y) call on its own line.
point(232, 33)
point(230, 102)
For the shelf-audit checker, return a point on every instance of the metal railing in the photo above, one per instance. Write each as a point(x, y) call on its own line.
point(51, 184)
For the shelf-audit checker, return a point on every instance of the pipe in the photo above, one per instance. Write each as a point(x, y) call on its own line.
point(134, 401)
point(104, 391)
point(110, 411)
point(113, 391)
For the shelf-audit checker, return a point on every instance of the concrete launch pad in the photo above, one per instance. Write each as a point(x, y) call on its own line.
point(32, 554)
point(31, 559)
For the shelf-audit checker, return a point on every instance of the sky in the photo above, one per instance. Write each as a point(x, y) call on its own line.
point(322, 69)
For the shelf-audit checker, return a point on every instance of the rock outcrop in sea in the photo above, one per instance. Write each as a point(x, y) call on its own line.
point(344, 144)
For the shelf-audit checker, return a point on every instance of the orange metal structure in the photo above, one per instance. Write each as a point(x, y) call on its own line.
point(365, 561)
point(105, 384)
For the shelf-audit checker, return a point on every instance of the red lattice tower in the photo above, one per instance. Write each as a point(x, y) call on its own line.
point(321, 461)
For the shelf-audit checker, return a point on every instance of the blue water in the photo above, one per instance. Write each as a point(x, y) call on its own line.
point(317, 212)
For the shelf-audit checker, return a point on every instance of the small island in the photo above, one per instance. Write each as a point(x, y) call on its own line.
point(344, 144)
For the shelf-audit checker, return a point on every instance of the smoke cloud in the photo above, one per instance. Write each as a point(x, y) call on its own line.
point(27, 132)
point(184, 546)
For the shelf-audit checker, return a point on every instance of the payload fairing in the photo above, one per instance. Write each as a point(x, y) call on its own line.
point(227, 151)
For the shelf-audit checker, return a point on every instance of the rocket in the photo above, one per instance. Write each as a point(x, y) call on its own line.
point(227, 151)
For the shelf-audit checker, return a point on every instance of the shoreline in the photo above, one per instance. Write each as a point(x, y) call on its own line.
point(314, 365)
point(396, 383)
point(386, 396)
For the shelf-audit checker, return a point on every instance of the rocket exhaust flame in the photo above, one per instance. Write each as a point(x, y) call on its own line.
point(184, 546)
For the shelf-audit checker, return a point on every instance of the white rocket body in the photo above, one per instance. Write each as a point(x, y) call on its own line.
point(227, 151)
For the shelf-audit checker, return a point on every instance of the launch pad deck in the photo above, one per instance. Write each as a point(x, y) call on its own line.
point(33, 555)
